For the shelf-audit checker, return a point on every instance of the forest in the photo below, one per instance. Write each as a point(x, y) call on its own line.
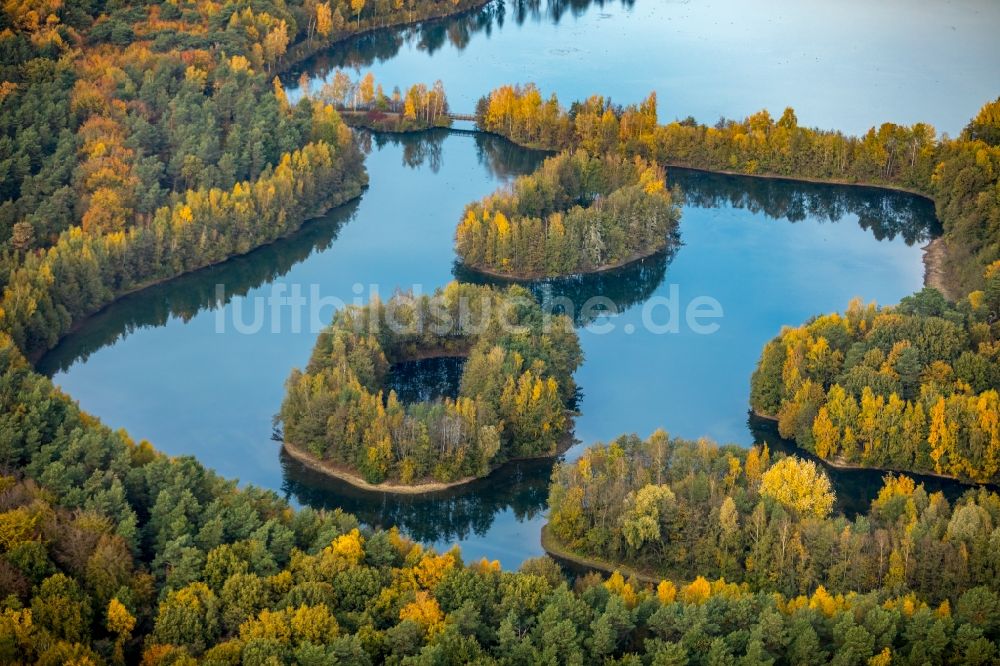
point(113, 553)
point(140, 141)
point(516, 386)
point(678, 509)
point(365, 103)
point(120, 124)
point(961, 175)
point(82, 272)
point(577, 213)
point(909, 387)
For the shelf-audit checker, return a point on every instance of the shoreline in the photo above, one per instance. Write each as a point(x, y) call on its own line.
point(34, 357)
point(801, 179)
point(764, 176)
point(304, 50)
point(343, 474)
point(562, 554)
point(297, 58)
point(359, 120)
point(539, 277)
point(841, 464)
point(934, 254)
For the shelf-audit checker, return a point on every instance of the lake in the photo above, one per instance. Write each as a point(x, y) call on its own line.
point(842, 64)
point(198, 369)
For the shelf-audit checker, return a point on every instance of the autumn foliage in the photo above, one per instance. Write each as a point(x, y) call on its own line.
point(577, 213)
point(681, 510)
point(515, 387)
point(912, 387)
point(960, 174)
point(111, 552)
point(116, 120)
point(366, 103)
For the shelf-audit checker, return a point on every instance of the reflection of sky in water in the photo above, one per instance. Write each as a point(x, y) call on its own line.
point(174, 380)
point(193, 391)
point(765, 274)
point(846, 64)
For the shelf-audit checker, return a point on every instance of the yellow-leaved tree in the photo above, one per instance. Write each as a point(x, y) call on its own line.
point(120, 623)
point(799, 485)
point(425, 611)
point(324, 19)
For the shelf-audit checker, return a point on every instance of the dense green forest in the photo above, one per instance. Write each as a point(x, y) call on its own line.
point(83, 272)
point(111, 552)
point(576, 213)
point(678, 509)
point(139, 141)
point(120, 123)
point(962, 175)
point(515, 386)
point(909, 387)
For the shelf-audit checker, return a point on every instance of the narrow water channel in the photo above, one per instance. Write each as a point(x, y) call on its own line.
point(199, 371)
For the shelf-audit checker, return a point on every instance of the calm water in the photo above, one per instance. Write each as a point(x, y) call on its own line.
point(842, 64)
point(184, 366)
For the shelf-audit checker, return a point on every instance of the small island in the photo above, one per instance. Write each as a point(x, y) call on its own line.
point(366, 104)
point(578, 213)
point(143, 141)
point(513, 401)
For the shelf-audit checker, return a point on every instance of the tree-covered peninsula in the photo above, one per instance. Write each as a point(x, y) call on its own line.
point(113, 553)
point(910, 387)
point(515, 390)
point(577, 213)
point(675, 509)
point(139, 141)
point(961, 174)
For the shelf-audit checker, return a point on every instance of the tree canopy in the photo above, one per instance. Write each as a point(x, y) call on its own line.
point(113, 553)
point(576, 213)
point(670, 508)
point(960, 174)
point(366, 103)
point(515, 387)
point(911, 387)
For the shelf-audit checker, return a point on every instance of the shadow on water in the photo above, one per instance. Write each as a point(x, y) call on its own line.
point(886, 213)
point(502, 159)
point(186, 296)
point(431, 36)
point(619, 289)
point(426, 379)
point(444, 516)
point(855, 488)
point(520, 488)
